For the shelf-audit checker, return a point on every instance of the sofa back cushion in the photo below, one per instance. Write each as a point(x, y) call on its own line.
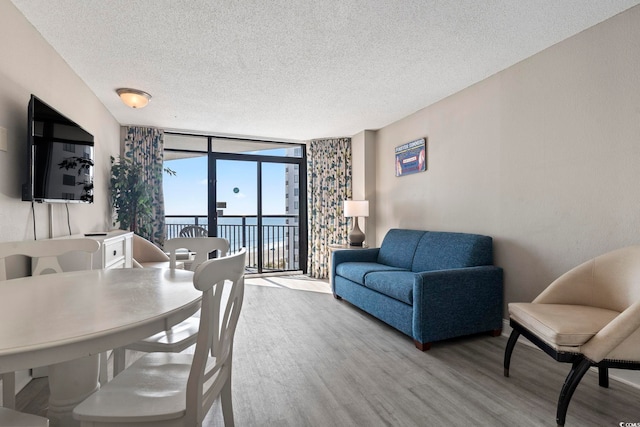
point(398, 247)
point(442, 251)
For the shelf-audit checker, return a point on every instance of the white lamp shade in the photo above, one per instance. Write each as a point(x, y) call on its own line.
point(133, 98)
point(356, 208)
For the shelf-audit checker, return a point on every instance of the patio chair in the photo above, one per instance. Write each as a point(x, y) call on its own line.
point(163, 389)
point(193, 231)
point(45, 255)
point(176, 338)
point(589, 316)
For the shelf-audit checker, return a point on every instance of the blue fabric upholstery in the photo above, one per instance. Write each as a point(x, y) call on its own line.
point(395, 284)
point(429, 285)
point(442, 251)
point(356, 271)
point(398, 248)
point(389, 310)
point(452, 303)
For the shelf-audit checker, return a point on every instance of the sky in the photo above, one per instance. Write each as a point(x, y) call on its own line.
point(186, 192)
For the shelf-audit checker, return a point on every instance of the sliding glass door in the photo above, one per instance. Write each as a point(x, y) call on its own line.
point(252, 193)
point(258, 207)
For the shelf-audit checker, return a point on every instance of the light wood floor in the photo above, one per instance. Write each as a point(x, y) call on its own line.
point(302, 358)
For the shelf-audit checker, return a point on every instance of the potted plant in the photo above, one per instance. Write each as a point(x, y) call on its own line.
point(131, 196)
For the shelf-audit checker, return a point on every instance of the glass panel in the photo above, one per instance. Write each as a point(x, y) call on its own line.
point(237, 201)
point(260, 148)
point(280, 212)
point(184, 142)
point(185, 194)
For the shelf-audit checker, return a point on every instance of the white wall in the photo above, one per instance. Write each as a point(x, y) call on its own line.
point(543, 156)
point(29, 65)
point(363, 179)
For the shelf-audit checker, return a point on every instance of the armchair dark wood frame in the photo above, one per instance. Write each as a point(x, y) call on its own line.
point(579, 367)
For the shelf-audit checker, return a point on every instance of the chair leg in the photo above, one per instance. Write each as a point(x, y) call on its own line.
point(603, 376)
point(104, 371)
point(578, 370)
point(227, 404)
point(118, 360)
point(9, 390)
point(513, 338)
point(422, 346)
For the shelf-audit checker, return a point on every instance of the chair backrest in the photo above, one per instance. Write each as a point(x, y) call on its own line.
point(193, 231)
point(398, 247)
point(221, 281)
point(145, 251)
point(445, 250)
point(202, 246)
point(610, 281)
point(47, 253)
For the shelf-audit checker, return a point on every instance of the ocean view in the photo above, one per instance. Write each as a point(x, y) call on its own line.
point(241, 231)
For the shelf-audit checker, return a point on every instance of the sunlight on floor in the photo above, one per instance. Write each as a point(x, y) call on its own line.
point(297, 282)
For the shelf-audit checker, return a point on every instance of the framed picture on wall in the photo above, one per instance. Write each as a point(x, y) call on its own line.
point(411, 157)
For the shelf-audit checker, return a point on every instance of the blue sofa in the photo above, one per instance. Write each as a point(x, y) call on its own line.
point(429, 285)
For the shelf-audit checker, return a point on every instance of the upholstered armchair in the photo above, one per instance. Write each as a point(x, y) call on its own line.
point(146, 254)
point(590, 316)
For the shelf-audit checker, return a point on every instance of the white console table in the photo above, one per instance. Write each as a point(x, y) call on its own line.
point(116, 251)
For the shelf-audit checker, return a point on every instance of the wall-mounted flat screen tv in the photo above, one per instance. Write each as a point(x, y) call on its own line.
point(60, 158)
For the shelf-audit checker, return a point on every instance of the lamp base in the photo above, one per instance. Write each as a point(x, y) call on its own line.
point(356, 236)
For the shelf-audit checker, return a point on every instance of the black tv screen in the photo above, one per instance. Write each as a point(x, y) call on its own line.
point(60, 156)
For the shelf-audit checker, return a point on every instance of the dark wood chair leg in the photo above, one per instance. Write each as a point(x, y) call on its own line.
point(513, 338)
point(603, 376)
point(336, 296)
point(422, 346)
point(579, 368)
point(495, 332)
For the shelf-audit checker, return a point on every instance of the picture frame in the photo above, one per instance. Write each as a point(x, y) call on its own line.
point(411, 157)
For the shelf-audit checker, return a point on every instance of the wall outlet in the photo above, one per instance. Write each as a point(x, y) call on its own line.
point(3, 139)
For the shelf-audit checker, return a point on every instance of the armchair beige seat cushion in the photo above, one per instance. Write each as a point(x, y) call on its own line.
point(589, 316)
point(562, 326)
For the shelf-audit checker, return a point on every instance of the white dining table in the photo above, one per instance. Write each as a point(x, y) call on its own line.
point(66, 320)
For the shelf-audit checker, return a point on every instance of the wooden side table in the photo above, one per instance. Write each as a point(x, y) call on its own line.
point(336, 247)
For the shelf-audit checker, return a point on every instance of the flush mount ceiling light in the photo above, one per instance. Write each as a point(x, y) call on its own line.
point(134, 98)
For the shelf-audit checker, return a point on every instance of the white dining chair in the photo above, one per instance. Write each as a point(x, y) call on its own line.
point(176, 338)
point(171, 389)
point(44, 254)
point(9, 417)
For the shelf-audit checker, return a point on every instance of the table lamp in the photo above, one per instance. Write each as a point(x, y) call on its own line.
point(355, 209)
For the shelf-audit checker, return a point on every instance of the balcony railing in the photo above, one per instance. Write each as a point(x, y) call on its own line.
point(279, 250)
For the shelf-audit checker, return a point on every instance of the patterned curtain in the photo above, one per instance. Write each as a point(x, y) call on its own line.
point(328, 185)
point(145, 146)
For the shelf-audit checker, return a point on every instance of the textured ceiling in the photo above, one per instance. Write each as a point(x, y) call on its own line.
point(297, 70)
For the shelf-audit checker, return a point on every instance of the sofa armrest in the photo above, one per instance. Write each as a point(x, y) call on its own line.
point(352, 255)
point(455, 302)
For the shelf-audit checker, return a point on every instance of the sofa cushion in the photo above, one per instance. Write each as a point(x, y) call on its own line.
point(395, 284)
point(356, 271)
point(398, 247)
point(443, 251)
